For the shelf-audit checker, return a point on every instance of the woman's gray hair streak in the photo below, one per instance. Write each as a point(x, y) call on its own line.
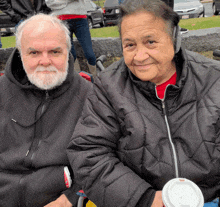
point(156, 7)
point(53, 19)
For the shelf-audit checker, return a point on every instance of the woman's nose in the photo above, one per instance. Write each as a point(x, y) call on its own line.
point(141, 54)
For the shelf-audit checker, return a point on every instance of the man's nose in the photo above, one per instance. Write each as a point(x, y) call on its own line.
point(45, 60)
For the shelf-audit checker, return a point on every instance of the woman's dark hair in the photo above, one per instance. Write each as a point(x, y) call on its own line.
point(156, 7)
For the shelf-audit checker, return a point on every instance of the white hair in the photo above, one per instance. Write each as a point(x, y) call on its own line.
point(53, 19)
point(47, 81)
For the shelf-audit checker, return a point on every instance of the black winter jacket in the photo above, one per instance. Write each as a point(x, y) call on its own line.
point(35, 129)
point(18, 9)
point(121, 149)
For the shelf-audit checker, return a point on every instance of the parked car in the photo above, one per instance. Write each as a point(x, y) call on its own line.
point(189, 8)
point(95, 16)
point(7, 27)
point(216, 7)
point(111, 12)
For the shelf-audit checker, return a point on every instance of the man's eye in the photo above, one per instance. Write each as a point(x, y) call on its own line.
point(55, 52)
point(33, 52)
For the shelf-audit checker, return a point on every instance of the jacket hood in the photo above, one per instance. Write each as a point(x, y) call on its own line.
point(15, 73)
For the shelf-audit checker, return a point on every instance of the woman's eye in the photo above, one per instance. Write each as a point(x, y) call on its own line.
point(151, 42)
point(129, 45)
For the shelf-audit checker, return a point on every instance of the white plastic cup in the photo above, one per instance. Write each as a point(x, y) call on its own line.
point(181, 192)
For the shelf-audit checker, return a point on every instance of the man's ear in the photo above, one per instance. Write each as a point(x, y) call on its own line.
point(177, 38)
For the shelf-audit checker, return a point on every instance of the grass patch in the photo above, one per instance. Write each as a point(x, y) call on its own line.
point(100, 3)
point(200, 23)
point(208, 54)
point(8, 41)
point(110, 31)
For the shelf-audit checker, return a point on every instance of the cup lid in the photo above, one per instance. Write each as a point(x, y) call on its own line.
point(181, 192)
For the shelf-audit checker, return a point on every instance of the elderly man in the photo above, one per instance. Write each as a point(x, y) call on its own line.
point(153, 117)
point(41, 99)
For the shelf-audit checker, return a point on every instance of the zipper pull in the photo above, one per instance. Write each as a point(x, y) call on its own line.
point(163, 107)
point(45, 102)
point(47, 95)
point(27, 153)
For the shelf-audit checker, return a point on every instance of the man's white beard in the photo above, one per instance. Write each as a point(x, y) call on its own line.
point(47, 81)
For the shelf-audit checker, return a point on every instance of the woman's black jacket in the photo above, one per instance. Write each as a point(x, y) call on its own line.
point(122, 148)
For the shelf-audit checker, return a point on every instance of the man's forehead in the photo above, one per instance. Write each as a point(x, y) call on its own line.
point(40, 26)
point(43, 32)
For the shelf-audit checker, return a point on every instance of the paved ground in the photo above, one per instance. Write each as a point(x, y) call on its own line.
point(206, 1)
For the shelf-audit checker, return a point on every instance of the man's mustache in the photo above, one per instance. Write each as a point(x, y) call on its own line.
point(49, 68)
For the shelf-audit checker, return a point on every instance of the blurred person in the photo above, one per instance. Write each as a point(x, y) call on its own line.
point(74, 13)
point(21, 9)
point(152, 116)
point(41, 99)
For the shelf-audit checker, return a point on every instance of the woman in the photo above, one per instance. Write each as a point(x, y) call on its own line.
point(153, 116)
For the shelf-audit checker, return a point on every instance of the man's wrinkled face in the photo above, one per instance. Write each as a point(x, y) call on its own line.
point(44, 54)
point(147, 47)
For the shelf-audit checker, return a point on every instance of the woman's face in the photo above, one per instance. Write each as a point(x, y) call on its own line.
point(147, 47)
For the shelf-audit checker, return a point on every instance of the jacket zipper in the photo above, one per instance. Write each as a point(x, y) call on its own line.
point(20, 203)
point(175, 159)
point(42, 111)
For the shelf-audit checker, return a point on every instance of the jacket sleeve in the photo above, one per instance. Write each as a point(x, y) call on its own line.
point(71, 194)
point(5, 6)
point(92, 153)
